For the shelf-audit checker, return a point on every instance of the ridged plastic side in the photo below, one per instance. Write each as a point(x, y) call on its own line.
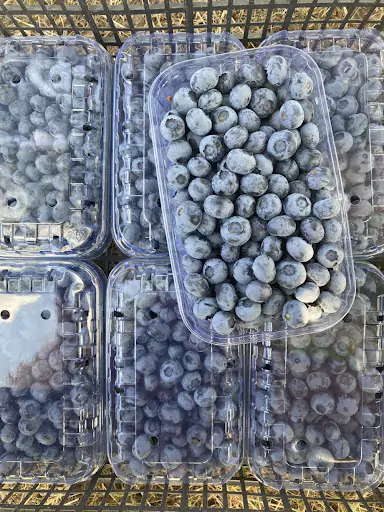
point(364, 190)
point(316, 401)
point(137, 220)
point(55, 147)
point(51, 372)
point(175, 404)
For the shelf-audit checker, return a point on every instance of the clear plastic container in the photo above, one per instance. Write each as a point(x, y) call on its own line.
point(51, 372)
point(363, 178)
point(163, 88)
point(316, 415)
point(175, 404)
point(55, 138)
point(137, 220)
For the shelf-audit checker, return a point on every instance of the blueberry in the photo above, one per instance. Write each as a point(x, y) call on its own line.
point(252, 75)
point(282, 145)
point(343, 142)
point(197, 246)
point(329, 302)
point(204, 79)
point(299, 249)
point(268, 206)
point(223, 118)
point(312, 230)
point(245, 206)
point(290, 274)
point(291, 114)
point(263, 102)
point(226, 296)
point(322, 403)
point(29, 409)
point(188, 217)
point(357, 124)
point(223, 323)
point(249, 120)
point(240, 162)
point(297, 206)
point(218, 207)
point(278, 185)
point(336, 87)
point(253, 184)
point(215, 270)
point(198, 121)
point(199, 189)
point(236, 137)
point(240, 96)
point(277, 70)
point(9, 434)
point(329, 255)
point(346, 107)
point(212, 147)
point(29, 427)
point(171, 371)
point(307, 293)
point(282, 226)
point(308, 159)
point(205, 396)
point(247, 310)
point(179, 151)
point(210, 100)
point(183, 100)
point(225, 183)
point(198, 166)
point(172, 127)
point(191, 381)
point(258, 291)
point(333, 230)
point(46, 435)
point(287, 168)
point(272, 247)
point(227, 81)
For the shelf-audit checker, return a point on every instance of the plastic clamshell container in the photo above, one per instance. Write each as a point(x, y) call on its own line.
point(363, 178)
point(55, 136)
point(175, 404)
point(51, 372)
point(137, 218)
point(316, 414)
point(163, 88)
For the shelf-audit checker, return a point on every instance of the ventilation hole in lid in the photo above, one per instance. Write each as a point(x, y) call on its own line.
point(89, 204)
point(5, 314)
point(154, 440)
point(355, 200)
point(267, 367)
point(152, 315)
point(348, 318)
point(265, 442)
point(230, 364)
point(118, 314)
point(379, 395)
point(45, 315)
point(119, 390)
point(7, 240)
point(12, 202)
point(87, 127)
point(16, 79)
point(56, 78)
point(301, 445)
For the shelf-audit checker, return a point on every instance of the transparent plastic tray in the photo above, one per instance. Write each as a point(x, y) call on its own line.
point(54, 136)
point(155, 364)
point(363, 179)
point(163, 88)
point(51, 372)
point(137, 220)
point(297, 439)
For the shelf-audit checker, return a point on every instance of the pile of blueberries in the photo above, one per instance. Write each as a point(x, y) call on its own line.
point(50, 137)
point(352, 88)
point(177, 410)
point(46, 408)
point(256, 207)
point(138, 198)
point(317, 405)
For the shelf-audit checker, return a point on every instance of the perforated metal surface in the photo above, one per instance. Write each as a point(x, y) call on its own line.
point(110, 23)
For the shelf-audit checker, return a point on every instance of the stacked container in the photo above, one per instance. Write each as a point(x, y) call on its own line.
point(55, 113)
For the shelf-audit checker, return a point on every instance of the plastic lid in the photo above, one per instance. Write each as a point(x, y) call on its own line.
point(137, 220)
point(362, 159)
point(316, 414)
point(51, 402)
point(54, 137)
point(165, 87)
point(175, 407)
